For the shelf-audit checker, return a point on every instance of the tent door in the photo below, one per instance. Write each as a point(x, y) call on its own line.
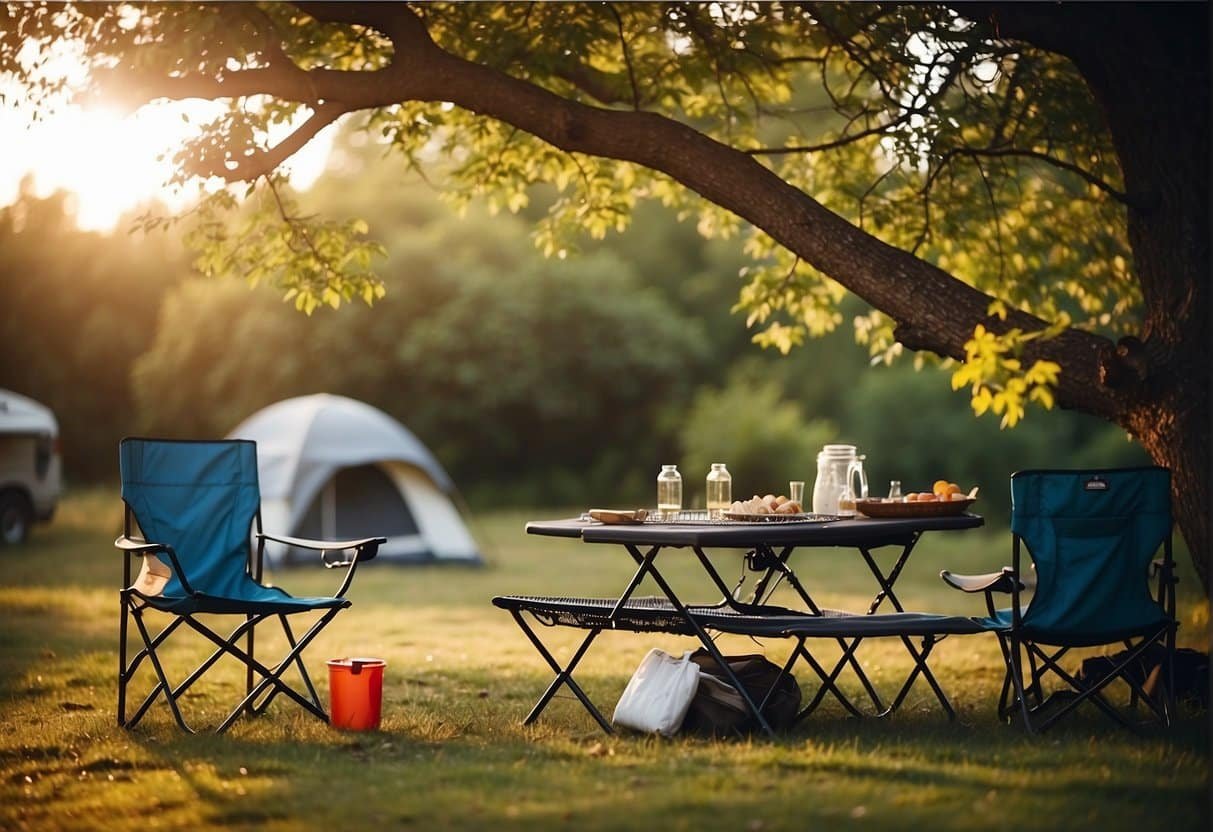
point(362, 501)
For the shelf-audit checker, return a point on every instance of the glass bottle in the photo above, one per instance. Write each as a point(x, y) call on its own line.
point(895, 490)
point(669, 490)
point(720, 490)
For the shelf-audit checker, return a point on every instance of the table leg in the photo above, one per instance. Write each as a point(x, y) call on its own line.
point(760, 588)
point(726, 595)
point(828, 684)
point(920, 666)
point(645, 566)
point(886, 582)
point(704, 640)
point(564, 676)
point(848, 651)
point(886, 592)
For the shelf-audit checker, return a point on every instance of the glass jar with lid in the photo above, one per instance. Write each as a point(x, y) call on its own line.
point(720, 490)
point(669, 490)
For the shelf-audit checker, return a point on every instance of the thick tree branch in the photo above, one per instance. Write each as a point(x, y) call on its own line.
point(915, 293)
point(903, 286)
point(286, 81)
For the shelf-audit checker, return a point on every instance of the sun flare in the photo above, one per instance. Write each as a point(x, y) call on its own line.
point(112, 164)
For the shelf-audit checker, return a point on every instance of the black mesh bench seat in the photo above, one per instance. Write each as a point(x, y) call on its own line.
point(658, 615)
point(641, 615)
point(842, 625)
point(655, 615)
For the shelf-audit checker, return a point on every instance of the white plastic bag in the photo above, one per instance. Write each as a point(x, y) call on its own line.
point(658, 694)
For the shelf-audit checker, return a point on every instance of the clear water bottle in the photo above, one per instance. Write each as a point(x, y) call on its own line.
point(720, 489)
point(669, 490)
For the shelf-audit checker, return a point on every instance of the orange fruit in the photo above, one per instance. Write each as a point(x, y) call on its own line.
point(953, 488)
point(940, 487)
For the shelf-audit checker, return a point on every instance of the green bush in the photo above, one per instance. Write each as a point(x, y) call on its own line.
point(751, 426)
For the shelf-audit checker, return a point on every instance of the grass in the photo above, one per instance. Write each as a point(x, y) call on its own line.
point(452, 753)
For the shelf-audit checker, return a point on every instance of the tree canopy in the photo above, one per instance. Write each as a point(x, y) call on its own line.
point(1003, 184)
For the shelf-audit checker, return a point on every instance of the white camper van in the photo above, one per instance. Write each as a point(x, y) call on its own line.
point(30, 466)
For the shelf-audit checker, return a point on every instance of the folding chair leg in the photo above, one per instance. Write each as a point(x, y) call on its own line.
point(273, 677)
point(173, 693)
point(1093, 693)
point(122, 673)
point(195, 675)
point(163, 686)
point(1016, 673)
point(1005, 703)
point(251, 621)
point(564, 676)
point(258, 708)
point(1169, 700)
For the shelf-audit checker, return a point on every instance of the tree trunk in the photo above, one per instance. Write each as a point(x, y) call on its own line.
point(1148, 66)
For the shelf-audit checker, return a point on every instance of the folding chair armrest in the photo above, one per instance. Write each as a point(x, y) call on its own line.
point(1003, 581)
point(143, 548)
point(140, 547)
point(364, 549)
point(324, 545)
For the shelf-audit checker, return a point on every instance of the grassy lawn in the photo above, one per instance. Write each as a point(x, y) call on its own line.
point(453, 754)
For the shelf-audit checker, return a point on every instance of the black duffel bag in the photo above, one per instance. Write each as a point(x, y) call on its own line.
point(719, 710)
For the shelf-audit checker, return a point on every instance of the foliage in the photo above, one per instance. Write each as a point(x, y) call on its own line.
point(999, 383)
point(312, 261)
point(511, 368)
point(751, 426)
point(77, 309)
point(912, 434)
point(987, 158)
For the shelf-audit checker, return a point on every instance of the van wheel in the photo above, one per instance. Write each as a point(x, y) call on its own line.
point(15, 519)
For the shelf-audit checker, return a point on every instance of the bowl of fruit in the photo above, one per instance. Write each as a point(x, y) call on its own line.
point(943, 500)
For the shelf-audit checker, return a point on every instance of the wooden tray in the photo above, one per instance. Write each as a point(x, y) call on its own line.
point(873, 508)
point(617, 517)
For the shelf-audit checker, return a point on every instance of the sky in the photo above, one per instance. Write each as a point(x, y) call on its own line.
point(109, 162)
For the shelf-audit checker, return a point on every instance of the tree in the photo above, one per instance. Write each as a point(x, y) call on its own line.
point(1018, 188)
point(76, 309)
point(512, 368)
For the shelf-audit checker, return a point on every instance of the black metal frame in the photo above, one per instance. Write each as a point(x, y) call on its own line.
point(645, 565)
point(259, 694)
point(773, 565)
point(1042, 660)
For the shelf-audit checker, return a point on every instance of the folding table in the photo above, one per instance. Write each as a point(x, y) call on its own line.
point(767, 551)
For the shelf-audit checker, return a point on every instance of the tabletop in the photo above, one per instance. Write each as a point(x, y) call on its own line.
point(861, 531)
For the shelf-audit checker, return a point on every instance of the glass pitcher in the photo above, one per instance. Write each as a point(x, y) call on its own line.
point(836, 468)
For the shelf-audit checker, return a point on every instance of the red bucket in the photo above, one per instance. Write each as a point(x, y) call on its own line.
point(356, 693)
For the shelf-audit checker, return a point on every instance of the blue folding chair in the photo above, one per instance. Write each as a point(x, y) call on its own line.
point(1092, 537)
point(194, 503)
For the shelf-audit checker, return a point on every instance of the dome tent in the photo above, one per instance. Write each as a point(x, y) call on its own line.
point(334, 468)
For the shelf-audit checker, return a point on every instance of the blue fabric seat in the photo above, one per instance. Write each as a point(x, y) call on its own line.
point(1092, 537)
point(195, 504)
